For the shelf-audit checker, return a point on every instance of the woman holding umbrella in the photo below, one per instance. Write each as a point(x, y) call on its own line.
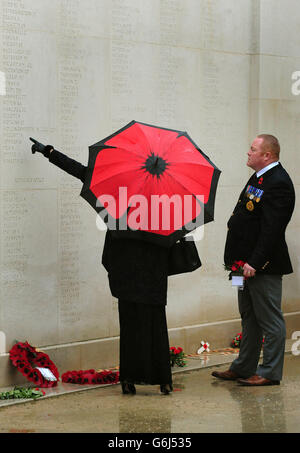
point(137, 272)
point(150, 162)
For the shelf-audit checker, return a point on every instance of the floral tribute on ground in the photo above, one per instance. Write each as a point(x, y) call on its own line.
point(27, 359)
point(236, 341)
point(91, 377)
point(204, 347)
point(37, 367)
point(177, 356)
point(22, 393)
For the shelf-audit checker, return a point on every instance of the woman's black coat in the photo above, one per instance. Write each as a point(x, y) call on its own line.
point(137, 270)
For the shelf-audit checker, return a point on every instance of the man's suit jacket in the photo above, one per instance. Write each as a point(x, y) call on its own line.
point(256, 229)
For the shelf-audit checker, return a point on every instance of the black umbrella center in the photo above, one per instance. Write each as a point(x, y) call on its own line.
point(155, 165)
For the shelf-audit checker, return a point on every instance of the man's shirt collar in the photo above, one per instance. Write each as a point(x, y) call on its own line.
point(265, 169)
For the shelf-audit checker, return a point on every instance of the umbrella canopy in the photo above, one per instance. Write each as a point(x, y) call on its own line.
point(150, 183)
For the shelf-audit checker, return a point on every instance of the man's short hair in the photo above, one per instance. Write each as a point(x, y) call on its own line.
point(271, 144)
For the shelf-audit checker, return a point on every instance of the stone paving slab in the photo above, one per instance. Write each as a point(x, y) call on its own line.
point(215, 357)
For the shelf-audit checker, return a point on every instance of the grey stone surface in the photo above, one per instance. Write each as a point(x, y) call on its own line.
point(199, 403)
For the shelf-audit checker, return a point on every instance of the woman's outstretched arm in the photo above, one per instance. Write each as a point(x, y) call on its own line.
point(67, 164)
point(59, 159)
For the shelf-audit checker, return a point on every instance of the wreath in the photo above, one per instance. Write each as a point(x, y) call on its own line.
point(27, 358)
point(91, 377)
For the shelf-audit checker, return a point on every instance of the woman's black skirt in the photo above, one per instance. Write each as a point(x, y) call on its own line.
point(144, 344)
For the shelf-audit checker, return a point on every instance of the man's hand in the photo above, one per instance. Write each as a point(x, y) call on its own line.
point(249, 271)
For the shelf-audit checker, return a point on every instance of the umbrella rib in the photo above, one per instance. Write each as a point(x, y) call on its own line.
point(113, 176)
point(106, 164)
point(190, 177)
point(203, 163)
point(145, 136)
point(123, 149)
point(182, 185)
point(142, 184)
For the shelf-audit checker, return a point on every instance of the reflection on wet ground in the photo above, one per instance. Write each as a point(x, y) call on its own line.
point(199, 404)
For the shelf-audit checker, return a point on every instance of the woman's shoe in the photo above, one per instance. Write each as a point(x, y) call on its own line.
point(166, 389)
point(128, 388)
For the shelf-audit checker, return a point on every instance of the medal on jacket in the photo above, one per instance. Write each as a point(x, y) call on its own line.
point(258, 195)
point(254, 194)
point(250, 205)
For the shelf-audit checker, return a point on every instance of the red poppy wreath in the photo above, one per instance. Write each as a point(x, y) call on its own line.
point(91, 377)
point(29, 361)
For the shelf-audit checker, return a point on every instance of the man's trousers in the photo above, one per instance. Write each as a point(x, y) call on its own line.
point(260, 310)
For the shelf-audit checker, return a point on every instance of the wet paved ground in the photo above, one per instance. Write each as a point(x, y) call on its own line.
point(199, 404)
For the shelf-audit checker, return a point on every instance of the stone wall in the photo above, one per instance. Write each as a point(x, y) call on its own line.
point(71, 73)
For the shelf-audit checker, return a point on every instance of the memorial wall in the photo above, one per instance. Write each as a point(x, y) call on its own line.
point(74, 71)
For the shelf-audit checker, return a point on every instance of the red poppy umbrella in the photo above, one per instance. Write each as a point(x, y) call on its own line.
point(150, 183)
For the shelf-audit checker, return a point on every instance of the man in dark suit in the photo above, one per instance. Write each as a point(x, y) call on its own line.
point(256, 235)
